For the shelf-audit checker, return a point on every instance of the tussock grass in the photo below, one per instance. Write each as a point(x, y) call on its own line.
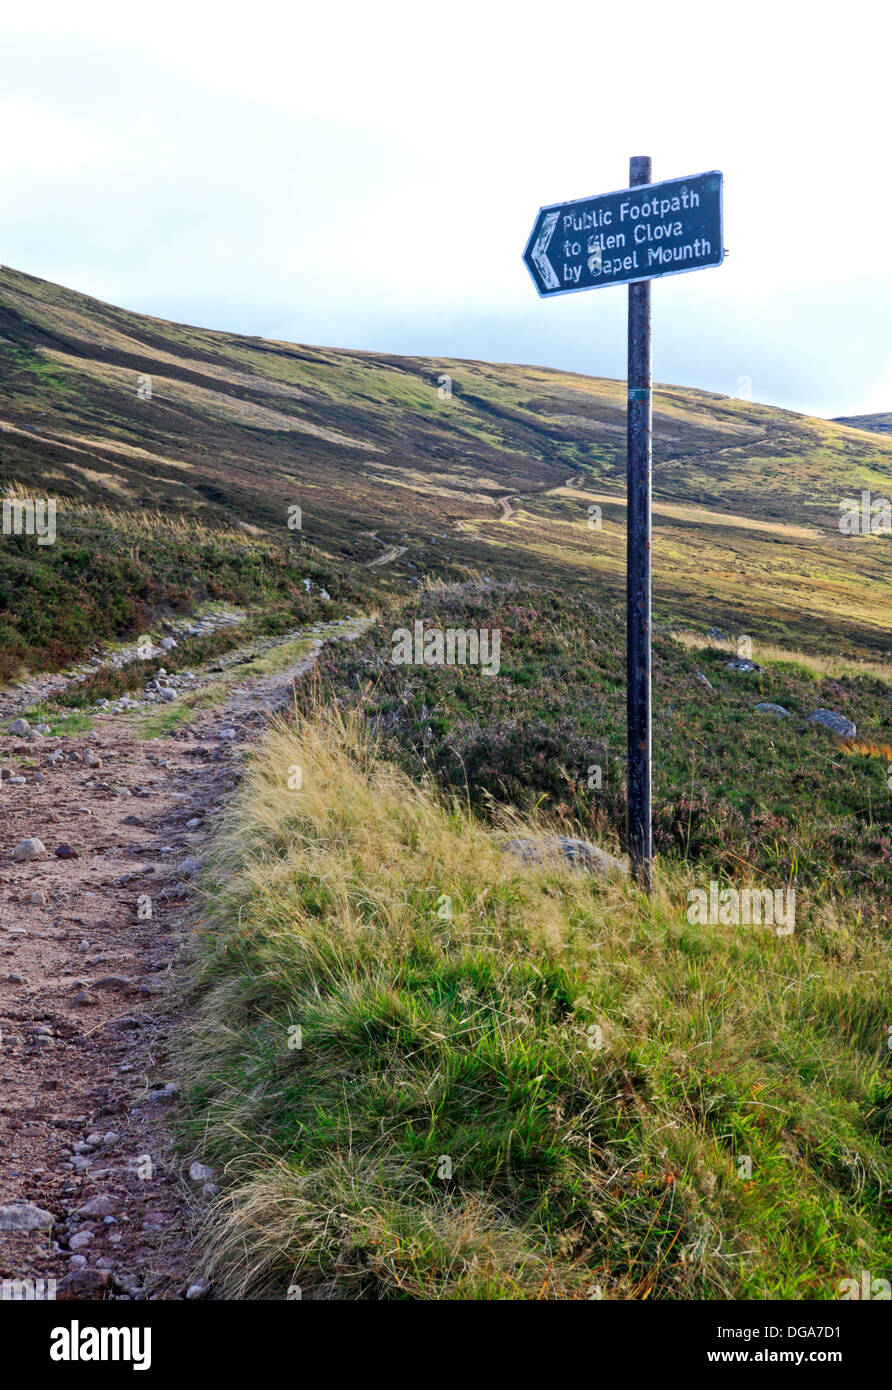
point(514, 1081)
point(798, 662)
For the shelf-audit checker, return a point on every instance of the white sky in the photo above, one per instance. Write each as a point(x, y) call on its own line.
point(366, 175)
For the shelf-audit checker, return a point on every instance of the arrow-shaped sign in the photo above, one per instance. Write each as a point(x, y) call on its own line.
point(635, 234)
point(539, 258)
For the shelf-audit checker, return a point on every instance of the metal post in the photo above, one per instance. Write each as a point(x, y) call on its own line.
point(638, 570)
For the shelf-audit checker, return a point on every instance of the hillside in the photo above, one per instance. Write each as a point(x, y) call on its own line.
point(499, 477)
point(882, 422)
point(384, 1043)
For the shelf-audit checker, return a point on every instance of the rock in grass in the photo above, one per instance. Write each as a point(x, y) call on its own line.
point(29, 849)
point(703, 680)
point(25, 1216)
point(580, 854)
point(741, 663)
point(766, 707)
point(20, 727)
point(831, 720)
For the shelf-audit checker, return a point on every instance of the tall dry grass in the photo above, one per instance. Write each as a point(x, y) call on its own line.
point(513, 1081)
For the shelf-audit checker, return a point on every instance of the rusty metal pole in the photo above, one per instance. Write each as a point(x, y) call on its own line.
point(638, 570)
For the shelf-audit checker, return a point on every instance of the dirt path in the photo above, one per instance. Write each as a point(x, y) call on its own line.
point(92, 1192)
point(390, 552)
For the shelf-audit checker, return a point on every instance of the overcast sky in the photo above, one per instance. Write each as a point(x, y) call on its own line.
point(367, 175)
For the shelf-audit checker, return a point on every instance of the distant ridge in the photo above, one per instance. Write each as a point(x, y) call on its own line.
point(877, 424)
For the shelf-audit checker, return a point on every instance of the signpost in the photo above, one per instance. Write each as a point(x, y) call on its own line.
point(632, 237)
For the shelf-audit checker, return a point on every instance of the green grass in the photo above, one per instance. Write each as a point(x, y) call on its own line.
point(165, 721)
point(61, 722)
point(557, 1090)
point(795, 670)
point(285, 654)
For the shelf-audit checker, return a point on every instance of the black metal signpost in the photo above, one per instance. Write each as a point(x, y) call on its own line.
point(631, 237)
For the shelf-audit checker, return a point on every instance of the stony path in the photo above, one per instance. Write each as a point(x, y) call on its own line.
point(36, 689)
point(92, 1192)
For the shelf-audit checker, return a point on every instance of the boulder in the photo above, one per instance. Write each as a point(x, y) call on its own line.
point(25, 1216)
point(580, 854)
point(741, 663)
point(766, 707)
point(29, 849)
point(838, 723)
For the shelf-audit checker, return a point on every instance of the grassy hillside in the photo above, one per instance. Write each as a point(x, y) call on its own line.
point(739, 792)
point(113, 571)
point(419, 452)
point(423, 1068)
point(431, 1072)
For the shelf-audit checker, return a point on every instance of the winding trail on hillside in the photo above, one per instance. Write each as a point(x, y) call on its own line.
point(393, 552)
point(93, 1192)
point(511, 503)
point(390, 552)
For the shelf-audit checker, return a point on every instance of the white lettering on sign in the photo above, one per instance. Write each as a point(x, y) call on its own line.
point(635, 233)
point(692, 251)
point(587, 221)
point(659, 207)
point(616, 265)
